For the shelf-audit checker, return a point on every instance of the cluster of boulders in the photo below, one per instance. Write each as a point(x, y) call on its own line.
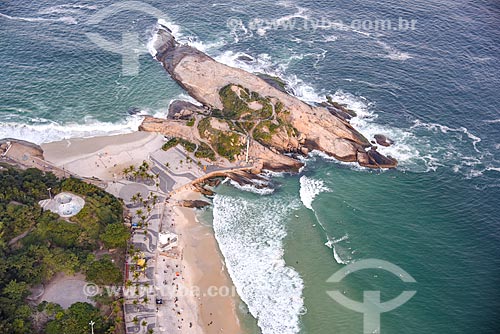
point(323, 127)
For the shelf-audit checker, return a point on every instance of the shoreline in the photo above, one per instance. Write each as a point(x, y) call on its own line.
point(215, 293)
point(208, 299)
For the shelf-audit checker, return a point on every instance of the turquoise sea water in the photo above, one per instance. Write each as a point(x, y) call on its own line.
point(434, 90)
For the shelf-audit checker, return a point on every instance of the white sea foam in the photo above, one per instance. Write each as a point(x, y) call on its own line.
point(261, 63)
point(309, 189)
point(288, 21)
point(414, 151)
point(406, 145)
point(162, 24)
point(445, 129)
point(48, 132)
point(174, 28)
point(492, 121)
point(250, 235)
point(182, 37)
point(393, 53)
point(252, 188)
point(303, 91)
point(67, 8)
point(269, 173)
point(341, 254)
point(330, 38)
point(205, 47)
point(404, 148)
point(239, 30)
point(163, 112)
point(493, 169)
point(337, 257)
point(64, 19)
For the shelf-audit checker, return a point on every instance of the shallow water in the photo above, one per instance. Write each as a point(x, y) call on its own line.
point(433, 90)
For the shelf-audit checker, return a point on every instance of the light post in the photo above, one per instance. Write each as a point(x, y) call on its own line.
point(50, 195)
point(91, 323)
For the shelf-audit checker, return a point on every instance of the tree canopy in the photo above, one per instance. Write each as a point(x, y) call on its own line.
point(37, 244)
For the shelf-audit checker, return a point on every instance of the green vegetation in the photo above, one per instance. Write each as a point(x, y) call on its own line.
point(204, 151)
point(141, 173)
point(188, 146)
point(226, 143)
point(190, 122)
point(234, 105)
point(37, 244)
point(237, 100)
point(263, 132)
point(75, 320)
point(246, 113)
point(115, 236)
point(103, 272)
point(262, 123)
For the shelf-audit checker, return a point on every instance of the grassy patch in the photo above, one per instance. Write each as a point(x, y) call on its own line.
point(226, 143)
point(236, 106)
point(190, 147)
point(204, 151)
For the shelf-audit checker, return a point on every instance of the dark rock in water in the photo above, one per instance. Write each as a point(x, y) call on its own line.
point(214, 182)
point(165, 27)
point(245, 58)
point(339, 113)
point(204, 78)
point(340, 107)
point(363, 158)
point(204, 191)
point(275, 82)
point(183, 110)
point(377, 159)
point(134, 111)
point(244, 178)
point(194, 204)
point(383, 140)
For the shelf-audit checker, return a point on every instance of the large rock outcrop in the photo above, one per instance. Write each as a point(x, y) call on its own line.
point(313, 127)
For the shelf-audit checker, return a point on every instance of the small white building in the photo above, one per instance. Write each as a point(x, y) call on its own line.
point(65, 204)
point(167, 241)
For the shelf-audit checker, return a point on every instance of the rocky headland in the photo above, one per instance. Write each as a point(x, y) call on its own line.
point(244, 112)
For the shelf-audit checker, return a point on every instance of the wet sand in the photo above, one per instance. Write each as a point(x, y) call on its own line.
point(205, 270)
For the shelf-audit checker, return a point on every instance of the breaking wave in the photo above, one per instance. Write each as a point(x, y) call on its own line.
point(252, 188)
point(250, 235)
point(309, 189)
point(48, 132)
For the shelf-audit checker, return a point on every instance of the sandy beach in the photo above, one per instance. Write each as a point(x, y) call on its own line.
point(216, 303)
point(102, 157)
point(197, 292)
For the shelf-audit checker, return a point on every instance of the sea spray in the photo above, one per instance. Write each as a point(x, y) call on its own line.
point(413, 150)
point(309, 189)
point(250, 235)
point(252, 188)
point(48, 132)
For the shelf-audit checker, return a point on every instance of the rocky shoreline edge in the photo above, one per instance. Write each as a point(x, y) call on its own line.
point(252, 120)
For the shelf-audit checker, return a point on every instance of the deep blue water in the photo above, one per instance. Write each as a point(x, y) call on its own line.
point(434, 90)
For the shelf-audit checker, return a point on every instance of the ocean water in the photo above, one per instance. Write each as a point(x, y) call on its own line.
point(432, 89)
